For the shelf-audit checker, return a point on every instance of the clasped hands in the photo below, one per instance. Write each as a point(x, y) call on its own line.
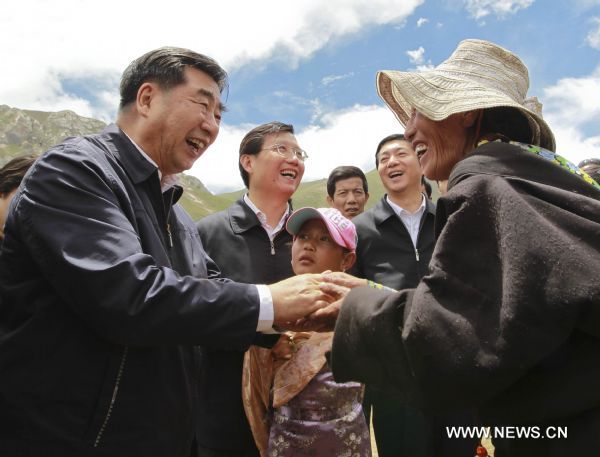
point(311, 302)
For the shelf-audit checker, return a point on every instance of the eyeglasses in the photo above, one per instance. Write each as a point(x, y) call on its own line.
point(287, 152)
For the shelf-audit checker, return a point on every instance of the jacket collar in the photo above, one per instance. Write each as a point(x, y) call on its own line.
point(382, 211)
point(137, 166)
point(241, 217)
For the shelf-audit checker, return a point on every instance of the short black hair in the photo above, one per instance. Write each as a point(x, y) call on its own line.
point(166, 66)
point(253, 141)
point(345, 172)
point(13, 172)
point(387, 139)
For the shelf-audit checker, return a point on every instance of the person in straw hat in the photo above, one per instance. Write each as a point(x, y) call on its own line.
point(507, 321)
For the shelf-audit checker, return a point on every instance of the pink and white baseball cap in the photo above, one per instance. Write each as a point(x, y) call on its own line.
point(341, 229)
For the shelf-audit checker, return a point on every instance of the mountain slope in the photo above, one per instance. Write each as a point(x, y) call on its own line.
point(33, 132)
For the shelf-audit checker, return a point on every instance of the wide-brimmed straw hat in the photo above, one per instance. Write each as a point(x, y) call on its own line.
point(477, 75)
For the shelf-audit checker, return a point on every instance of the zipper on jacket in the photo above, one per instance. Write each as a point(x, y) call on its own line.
point(421, 224)
point(113, 398)
point(272, 247)
point(169, 235)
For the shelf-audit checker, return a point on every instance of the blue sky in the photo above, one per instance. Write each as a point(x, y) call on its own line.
point(306, 62)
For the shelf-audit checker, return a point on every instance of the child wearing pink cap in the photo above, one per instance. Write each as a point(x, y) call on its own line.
point(292, 402)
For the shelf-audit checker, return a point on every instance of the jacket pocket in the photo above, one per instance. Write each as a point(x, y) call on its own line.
point(107, 400)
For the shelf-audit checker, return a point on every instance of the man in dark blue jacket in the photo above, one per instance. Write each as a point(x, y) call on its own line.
point(102, 301)
point(259, 251)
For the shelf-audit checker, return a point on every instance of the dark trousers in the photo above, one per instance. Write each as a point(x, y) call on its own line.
point(403, 431)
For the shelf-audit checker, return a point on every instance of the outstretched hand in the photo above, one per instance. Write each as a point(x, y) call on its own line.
point(343, 279)
point(336, 284)
point(311, 302)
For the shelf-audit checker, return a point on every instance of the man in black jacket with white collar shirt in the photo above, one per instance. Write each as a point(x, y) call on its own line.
point(258, 250)
point(103, 280)
point(395, 242)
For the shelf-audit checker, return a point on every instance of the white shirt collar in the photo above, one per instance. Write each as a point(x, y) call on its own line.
point(399, 210)
point(262, 217)
point(412, 221)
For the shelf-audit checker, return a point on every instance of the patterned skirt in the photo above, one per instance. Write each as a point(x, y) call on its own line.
point(324, 420)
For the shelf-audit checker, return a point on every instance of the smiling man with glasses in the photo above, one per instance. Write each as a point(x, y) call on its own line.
point(249, 243)
point(288, 152)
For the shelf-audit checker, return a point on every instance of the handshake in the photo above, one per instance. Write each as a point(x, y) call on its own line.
point(311, 302)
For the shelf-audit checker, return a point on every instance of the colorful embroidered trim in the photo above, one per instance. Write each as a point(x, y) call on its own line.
point(554, 158)
point(375, 285)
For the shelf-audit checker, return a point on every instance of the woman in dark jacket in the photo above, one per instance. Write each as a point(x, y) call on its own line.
point(507, 321)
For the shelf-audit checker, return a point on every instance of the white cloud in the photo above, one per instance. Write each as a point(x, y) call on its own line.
point(479, 9)
point(574, 101)
point(346, 137)
point(422, 21)
point(292, 100)
point(587, 3)
point(425, 67)
point(593, 37)
point(416, 56)
point(218, 167)
point(333, 78)
point(42, 42)
point(570, 105)
point(573, 145)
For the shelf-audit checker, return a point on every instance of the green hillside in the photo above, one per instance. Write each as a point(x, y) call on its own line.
point(198, 201)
